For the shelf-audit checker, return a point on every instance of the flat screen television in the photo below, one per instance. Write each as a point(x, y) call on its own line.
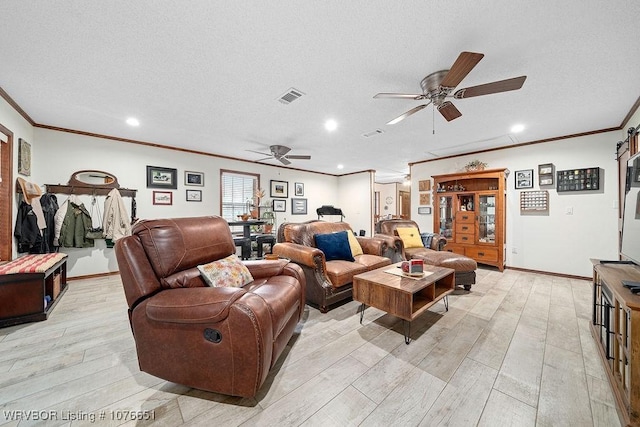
point(630, 248)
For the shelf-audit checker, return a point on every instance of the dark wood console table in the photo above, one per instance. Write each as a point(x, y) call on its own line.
point(616, 329)
point(24, 284)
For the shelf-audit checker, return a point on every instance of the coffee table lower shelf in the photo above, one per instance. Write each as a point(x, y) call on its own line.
point(400, 296)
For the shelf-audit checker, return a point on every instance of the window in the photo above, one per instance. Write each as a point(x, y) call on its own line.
point(237, 192)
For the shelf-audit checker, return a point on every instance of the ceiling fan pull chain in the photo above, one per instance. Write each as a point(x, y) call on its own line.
point(433, 119)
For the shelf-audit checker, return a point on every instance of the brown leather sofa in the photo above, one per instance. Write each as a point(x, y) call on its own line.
point(464, 266)
point(328, 282)
point(219, 339)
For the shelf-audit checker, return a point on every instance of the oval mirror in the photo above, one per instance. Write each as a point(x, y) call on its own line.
point(94, 178)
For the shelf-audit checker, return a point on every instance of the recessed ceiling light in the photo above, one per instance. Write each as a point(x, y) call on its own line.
point(517, 128)
point(340, 166)
point(132, 121)
point(330, 125)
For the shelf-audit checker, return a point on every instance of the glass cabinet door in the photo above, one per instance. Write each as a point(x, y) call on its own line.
point(487, 218)
point(446, 216)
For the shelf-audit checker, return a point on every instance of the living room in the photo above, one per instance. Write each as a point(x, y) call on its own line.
point(547, 258)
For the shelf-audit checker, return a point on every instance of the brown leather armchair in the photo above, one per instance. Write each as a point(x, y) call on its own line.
point(436, 254)
point(328, 282)
point(220, 339)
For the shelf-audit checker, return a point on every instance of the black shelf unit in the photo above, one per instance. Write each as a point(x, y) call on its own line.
point(585, 179)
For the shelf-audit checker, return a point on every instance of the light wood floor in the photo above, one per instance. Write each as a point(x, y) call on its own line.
point(516, 350)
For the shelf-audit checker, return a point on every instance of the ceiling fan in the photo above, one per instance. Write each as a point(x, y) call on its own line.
point(279, 152)
point(439, 85)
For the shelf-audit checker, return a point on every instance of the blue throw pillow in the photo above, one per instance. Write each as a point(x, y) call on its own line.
point(335, 246)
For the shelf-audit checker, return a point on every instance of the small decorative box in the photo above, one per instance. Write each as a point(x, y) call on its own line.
point(413, 267)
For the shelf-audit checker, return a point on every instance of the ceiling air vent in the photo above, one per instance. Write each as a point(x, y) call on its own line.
point(291, 95)
point(373, 133)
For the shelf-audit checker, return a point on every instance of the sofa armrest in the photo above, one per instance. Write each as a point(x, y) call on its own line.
point(192, 305)
point(260, 269)
point(372, 246)
point(303, 255)
point(395, 251)
point(438, 242)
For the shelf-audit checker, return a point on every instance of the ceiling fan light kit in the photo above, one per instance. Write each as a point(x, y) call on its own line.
point(436, 87)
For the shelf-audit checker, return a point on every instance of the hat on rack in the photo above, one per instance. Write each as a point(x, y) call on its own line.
point(30, 190)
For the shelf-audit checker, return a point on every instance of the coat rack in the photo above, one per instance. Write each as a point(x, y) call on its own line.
point(90, 182)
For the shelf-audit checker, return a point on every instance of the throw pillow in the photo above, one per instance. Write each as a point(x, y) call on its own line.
point(335, 246)
point(226, 272)
point(410, 237)
point(356, 249)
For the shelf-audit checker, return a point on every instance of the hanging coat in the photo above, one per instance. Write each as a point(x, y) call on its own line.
point(116, 223)
point(27, 232)
point(75, 225)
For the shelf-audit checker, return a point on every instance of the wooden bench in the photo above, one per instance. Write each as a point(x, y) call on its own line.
point(26, 282)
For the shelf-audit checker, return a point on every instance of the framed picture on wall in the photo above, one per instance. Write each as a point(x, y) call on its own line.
point(524, 179)
point(158, 177)
point(163, 198)
point(299, 189)
point(194, 195)
point(298, 206)
point(194, 178)
point(279, 189)
point(24, 157)
point(279, 205)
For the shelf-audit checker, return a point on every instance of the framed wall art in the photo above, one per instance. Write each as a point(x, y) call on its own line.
point(424, 210)
point(545, 174)
point(298, 206)
point(279, 205)
point(163, 198)
point(424, 185)
point(24, 157)
point(194, 195)
point(194, 178)
point(158, 177)
point(299, 189)
point(279, 189)
point(524, 178)
point(425, 198)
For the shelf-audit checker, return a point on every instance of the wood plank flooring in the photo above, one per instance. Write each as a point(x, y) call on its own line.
point(515, 351)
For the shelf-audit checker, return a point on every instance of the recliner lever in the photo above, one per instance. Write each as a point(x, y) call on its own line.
point(212, 335)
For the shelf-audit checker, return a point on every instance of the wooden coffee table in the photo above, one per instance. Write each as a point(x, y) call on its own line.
point(402, 296)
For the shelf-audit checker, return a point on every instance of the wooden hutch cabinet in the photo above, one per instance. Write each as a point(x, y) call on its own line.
point(469, 211)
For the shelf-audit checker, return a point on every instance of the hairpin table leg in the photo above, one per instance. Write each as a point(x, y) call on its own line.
point(407, 331)
point(362, 307)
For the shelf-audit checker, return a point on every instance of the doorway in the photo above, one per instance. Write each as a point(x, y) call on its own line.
point(405, 204)
point(6, 193)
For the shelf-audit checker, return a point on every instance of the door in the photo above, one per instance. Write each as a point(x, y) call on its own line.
point(405, 205)
point(445, 217)
point(487, 218)
point(6, 193)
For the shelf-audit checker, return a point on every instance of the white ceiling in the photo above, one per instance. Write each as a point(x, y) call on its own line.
point(206, 75)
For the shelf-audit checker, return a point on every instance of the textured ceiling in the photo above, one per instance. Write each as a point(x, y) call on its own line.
point(206, 75)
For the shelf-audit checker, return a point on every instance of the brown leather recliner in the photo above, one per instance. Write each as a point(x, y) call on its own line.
point(220, 339)
point(328, 282)
point(464, 266)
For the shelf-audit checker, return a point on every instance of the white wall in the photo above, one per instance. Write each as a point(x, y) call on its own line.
point(356, 201)
point(388, 190)
point(557, 242)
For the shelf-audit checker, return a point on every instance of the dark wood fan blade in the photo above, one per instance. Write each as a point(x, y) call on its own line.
point(459, 70)
point(489, 88)
point(262, 160)
point(298, 156)
point(400, 95)
point(449, 111)
point(284, 161)
point(407, 114)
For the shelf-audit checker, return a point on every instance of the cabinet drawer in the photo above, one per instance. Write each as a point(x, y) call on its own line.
point(466, 217)
point(464, 227)
point(465, 238)
point(460, 250)
point(486, 254)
